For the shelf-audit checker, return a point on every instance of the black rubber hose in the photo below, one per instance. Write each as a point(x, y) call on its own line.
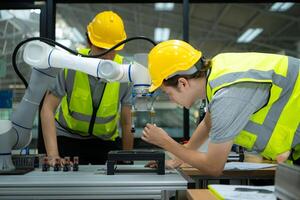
point(120, 43)
point(52, 43)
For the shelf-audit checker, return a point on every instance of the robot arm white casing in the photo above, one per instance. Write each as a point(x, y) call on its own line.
point(41, 55)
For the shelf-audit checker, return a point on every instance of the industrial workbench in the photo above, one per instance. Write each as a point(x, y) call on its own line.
point(91, 182)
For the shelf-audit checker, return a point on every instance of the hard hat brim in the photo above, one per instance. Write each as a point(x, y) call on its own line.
point(152, 88)
point(102, 44)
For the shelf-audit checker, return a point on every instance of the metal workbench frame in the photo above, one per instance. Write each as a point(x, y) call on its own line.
point(91, 182)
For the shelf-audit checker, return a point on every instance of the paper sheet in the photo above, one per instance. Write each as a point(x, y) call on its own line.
point(247, 166)
point(243, 192)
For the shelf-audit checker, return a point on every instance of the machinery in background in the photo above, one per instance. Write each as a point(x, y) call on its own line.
point(237, 154)
point(287, 182)
point(44, 59)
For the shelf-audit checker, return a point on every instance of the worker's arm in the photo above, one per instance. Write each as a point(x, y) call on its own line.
point(200, 135)
point(211, 162)
point(127, 136)
point(50, 105)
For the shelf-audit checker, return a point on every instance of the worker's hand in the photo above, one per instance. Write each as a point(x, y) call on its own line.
point(169, 164)
point(283, 157)
point(54, 159)
point(151, 164)
point(173, 164)
point(155, 135)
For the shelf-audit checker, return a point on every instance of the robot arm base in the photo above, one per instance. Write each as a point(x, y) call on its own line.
point(6, 163)
point(7, 139)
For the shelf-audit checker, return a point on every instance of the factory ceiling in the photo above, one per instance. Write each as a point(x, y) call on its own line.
point(213, 28)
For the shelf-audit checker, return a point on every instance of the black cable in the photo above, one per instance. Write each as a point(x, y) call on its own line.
point(52, 43)
point(119, 44)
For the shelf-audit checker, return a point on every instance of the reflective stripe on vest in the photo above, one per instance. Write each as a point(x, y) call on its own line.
point(76, 108)
point(274, 126)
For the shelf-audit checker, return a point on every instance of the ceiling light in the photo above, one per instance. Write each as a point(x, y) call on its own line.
point(281, 7)
point(164, 6)
point(36, 11)
point(16, 86)
point(161, 34)
point(286, 6)
point(249, 35)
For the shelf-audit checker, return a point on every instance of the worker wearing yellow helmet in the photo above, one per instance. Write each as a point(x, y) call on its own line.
point(80, 114)
point(254, 101)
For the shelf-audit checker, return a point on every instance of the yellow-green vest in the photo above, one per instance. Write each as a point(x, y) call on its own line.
point(76, 108)
point(274, 126)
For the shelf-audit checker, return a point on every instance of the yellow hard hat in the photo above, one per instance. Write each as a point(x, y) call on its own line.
point(106, 30)
point(169, 57)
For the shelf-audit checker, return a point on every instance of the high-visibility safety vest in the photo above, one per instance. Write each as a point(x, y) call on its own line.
point(274, 126)
point(77, 113)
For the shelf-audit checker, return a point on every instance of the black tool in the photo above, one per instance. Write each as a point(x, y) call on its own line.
point(131, 155)
point(75, 163)
point(45, 165)
point(67, 164)
point(57, 165)
point(253, 190)
point(236, 154)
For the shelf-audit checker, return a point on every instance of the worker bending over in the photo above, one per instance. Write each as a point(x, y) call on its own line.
point(254, 101)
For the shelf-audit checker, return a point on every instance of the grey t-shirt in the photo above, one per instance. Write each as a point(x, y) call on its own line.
point(231, 108)
point(59, 90)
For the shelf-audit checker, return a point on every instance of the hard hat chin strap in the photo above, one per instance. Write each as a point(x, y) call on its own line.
point(200, 63)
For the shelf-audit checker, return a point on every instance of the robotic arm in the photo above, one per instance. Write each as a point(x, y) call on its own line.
point(41, 55)
point(16, 134)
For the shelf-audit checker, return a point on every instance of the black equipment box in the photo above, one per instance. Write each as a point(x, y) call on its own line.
point(132, 155)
